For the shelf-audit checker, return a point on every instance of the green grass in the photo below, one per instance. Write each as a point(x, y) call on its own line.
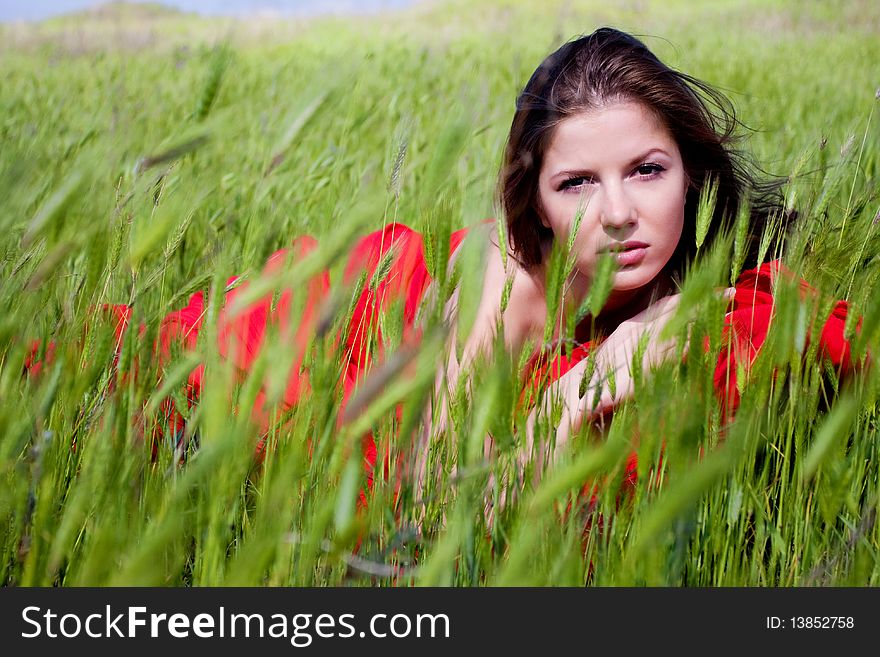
point(142, 170)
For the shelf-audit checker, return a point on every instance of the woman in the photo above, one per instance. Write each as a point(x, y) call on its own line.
point(609, 154)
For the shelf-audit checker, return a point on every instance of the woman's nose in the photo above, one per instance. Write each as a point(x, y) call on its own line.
point(618, 210)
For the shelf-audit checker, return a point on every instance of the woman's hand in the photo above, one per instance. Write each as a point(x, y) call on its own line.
point(614, 363)
point(613, 358)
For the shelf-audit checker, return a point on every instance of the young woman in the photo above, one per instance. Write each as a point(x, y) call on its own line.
point(609, 152)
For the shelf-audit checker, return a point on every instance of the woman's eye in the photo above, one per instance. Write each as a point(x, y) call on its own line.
point(648, 169)
point(574, 183)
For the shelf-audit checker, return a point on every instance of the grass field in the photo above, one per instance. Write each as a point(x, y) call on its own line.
point(147, 155)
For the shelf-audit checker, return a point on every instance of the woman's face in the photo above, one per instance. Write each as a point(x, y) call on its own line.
point(621, 165)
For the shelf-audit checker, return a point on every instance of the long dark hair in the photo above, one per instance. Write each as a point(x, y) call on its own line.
point(610, 66)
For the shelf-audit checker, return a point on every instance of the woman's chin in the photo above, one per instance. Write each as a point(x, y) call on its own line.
point(628, 279)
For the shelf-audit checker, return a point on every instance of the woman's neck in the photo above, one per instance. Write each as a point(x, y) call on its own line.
point(620, 306)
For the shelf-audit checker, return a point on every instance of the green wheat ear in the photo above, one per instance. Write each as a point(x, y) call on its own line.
point(219, 62)
point(606, 267)
point(600, 288)
point(437, 229)
point(505, 293)
point(706, 209)
point(555, 286)
point(740, 239)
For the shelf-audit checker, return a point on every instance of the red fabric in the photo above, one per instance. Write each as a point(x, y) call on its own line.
point(746, 326)
point(406, 279)
point(241, 337)
point(748, 322)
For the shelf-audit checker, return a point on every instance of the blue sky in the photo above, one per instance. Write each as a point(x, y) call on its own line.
point(29, 10)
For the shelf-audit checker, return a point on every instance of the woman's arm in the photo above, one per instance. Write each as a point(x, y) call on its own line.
point(524, 303)
point(614, 357)
point(481, 335)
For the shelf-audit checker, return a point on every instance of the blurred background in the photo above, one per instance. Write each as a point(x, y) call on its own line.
point(41, 9)
point(148, 152)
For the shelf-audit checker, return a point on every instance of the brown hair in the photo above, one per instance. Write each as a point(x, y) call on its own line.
point(610, 66)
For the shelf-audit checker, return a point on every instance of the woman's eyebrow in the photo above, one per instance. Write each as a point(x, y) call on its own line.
point(647, 154)
point(572, 173)
point(587, 172)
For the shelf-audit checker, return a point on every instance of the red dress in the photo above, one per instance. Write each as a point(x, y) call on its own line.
point(241, 337)
point(745, 329)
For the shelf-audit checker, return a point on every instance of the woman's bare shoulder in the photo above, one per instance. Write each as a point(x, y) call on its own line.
point(513, 293)
point(510, 294)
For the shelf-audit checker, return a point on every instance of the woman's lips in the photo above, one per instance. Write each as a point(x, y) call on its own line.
point(631, 256)
point(629, 253)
